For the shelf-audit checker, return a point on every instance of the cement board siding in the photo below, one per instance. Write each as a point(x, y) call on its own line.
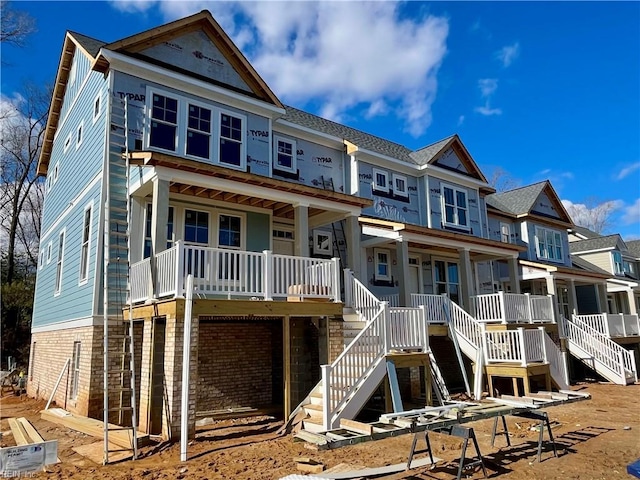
point(82, 68)
point(435, 203)
point(599, 259)
point(78, 166)
point(74, 301)
point(258, 232)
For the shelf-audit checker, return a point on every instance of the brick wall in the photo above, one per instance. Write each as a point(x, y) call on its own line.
point(236, 364)
point(336, 338)
point(305, 362)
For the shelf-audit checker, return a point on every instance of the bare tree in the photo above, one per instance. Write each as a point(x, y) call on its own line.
point(502, 180)
point(594, 213)
point(15, 26)
point(22, 122)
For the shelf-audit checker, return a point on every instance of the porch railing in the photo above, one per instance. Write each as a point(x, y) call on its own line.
point(512, 308)
point(515, 346)
point(613, 324)
point(393, 300)
point(218, 271)
point(433, 306)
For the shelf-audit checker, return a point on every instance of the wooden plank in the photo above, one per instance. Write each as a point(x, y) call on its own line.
point(95, 452)
point(19, 434)
point(310, 468)
point(286, 358)
point(31, 431)
point(377, 471)
point(359, 427)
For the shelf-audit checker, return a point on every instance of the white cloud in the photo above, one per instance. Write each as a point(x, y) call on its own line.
point(336, 54)
point(625, 172)
point(508, 54)
point(488, 87)
point(593, 215)
point(631, 213)
point(460, 120)
point(487, 111)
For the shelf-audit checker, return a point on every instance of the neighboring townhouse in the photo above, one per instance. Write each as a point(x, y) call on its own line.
point(167, 157)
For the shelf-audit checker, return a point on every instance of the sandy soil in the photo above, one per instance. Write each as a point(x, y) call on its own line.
point(596, 439)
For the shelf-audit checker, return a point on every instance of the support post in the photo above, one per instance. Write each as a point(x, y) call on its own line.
point(186, 357)
point(267, 275)
point(529, 309)
point(514, 275)
point(336, 280)
point(159, 215)
point(286, 354)
point(523, 349)
point(544, 344)
point(503, 307)
point(402, 256)
point(386, 326)
point(425, 327)
point(326, 397)
point(624, 328)
point(180, 270)
point(605, 324)
point(571, 291)
point(301, 225)
point(348, 288)
point(353, 244)
point(466, 278)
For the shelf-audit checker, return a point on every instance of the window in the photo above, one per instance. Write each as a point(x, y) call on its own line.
point(49, 252)
point(96, 108)
point(446, 279)
point(400, 185)
point(380, 181)
point(196, 227)
point(627, 267)
point(199, 132)
point(41, 259)
point(285, 154)
point(79, 135)
point(505, 232)
point(549, 244)
point(148, 245)
point(164, 122)
point(454, 206)
point(283, 234)
point(85, 247)
point(231, 140)
point(59, 263)
point(56, 172)
point(618, 266)
point(75, 370)
point(322, 243)
point(67, 143)
point(33, 360)
point(382, 264)
point(230, 231)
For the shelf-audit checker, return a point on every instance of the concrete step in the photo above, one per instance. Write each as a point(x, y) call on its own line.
point(310, 426)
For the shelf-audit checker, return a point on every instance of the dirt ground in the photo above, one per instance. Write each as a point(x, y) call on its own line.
point(596, 439)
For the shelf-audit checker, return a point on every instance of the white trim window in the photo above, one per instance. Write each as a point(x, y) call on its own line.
point(75, 371)
point(446, 279)
point(455, 207)
point(284, 154)
point(85, 248)
point(549, 244)
point(199, 131)
point(59, 263)
point(618, 264)
point(230, 231)
point(232, 145)
point(322, 242)
point(147, 246)
point(56, 172)
point(505, 232)
point(380, 181)
point(49, 247)
point(97, 108)
point(400, 185)
point(382, 264)
point(67, 144)
point(79, 135)
point(163, 126)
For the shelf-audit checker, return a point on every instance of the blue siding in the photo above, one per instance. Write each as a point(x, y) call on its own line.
point(473, 204)
point(83, 67)
point(75, 301)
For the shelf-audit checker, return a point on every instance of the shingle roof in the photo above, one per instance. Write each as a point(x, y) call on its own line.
point(634, 247)
point(585, 232)
point(517, 201)
point(584, 265)
point(91, 45)
point(357, 137)
point(426, 154)
point(598, 243)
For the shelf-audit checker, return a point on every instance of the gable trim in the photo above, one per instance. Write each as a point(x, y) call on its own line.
point(553, 196)
point(463, 155)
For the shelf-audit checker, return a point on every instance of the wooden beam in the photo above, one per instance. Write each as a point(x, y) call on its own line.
point(286, 352)
point(19, 434)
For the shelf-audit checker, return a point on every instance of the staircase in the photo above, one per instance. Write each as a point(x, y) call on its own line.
point(598, 352)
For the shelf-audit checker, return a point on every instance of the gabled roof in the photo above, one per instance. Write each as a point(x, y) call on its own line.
point(608, 242)
point(91, 46)
point(584, 232)
point(521, 201)
point(424, 155)
point(585, 265)
point(634, 248)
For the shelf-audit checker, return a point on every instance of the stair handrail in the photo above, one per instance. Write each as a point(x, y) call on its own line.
point(616, 358)
point(359, 297)
point(556, 359)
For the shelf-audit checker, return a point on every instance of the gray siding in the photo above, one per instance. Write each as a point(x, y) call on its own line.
point(531, 244)
point(599, 259)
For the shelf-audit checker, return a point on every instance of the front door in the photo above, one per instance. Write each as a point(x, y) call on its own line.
point(413, 283)
point(446, 279)
point(283, 242)
point(156, 403)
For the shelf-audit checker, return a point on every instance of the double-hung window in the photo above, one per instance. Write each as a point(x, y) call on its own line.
point(618, 266)
point(148, 244)
point(230, 231)
point(75, 371)
point(505, 232)
point(549, 244)
point(164, 122)
point(231, 140)
point(85, 247)
point(199, 132)
point(285, 154)
point(59, 263)
point(380, 181)
point(455, 206)
point(382, 264)
point(400, 185)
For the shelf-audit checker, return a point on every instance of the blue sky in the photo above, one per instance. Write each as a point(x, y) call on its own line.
point(540, 90)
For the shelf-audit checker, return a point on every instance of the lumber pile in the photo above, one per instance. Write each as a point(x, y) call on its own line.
point(24, 433)
point(93, 427)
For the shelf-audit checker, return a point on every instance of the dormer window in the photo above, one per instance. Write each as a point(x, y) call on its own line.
point(380, 181)
point(549, 244)
point(454, 206)
point(285, 154)
point(164, 122)
point(618, 265)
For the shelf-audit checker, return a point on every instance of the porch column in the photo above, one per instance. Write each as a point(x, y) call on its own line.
point(514, 275)
point(301, 234)
point(466, 278)
point(159, 215)
point(402, 271)
point(633, 309)
point(571, 292)
point(603, 304)
point(137, 219)
point(352, 232)
point(551, 285)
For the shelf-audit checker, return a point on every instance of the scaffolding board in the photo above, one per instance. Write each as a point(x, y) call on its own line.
point(437, 418)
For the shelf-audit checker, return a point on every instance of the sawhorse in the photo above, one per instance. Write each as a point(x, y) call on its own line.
point(459, 431)
point(543, 422)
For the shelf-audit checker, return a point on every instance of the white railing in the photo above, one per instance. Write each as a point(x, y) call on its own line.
point(433, 305)
point(140, 280)
point(613, 324)
point(512, 308)
point(521, 346)
point(630, 324)
point(465, 325)
point(358, 297)
point(596, 321)
point(408, 328)
point(393, 300)
point(557, 362)
point(219, 271)
point(603, 350)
